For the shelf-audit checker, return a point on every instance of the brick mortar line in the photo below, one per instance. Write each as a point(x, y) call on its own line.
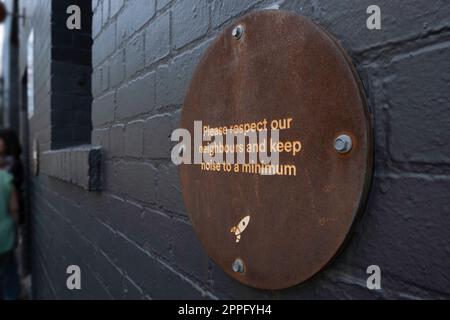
point(152, 254)
point(93, 245)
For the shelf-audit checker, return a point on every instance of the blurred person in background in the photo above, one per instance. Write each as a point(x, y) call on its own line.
point(10, 181)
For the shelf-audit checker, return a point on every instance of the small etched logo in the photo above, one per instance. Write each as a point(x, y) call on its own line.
point(239, 229)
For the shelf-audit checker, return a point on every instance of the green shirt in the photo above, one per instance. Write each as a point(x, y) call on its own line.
point(7, 227)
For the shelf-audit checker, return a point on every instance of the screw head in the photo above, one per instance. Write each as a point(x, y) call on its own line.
point(343, 144)
point(238, 266)
point(237, 32)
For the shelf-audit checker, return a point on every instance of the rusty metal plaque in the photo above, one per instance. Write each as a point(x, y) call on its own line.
point(281, 71)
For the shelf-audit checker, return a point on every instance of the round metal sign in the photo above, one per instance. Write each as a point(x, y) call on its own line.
point(273, 70)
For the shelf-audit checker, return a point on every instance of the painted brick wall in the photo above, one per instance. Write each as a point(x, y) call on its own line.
point(39, 128)
point(134, 240)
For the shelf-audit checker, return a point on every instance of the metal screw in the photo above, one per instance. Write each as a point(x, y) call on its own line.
point(238, 266)
point(343, 144)
point(238, 31)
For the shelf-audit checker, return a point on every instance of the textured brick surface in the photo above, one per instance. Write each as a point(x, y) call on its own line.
point(414, 105)
point(136, 97)
point(134, 132)
point(225, 10)
point(404, 230)
point(162, 3)
point(157, 126)
point(399, 21)
point(134, 57)
point(103, 109)
point(80, 166)
point(173, 78)
point(157, 39)
point(115, 6)
point(135, 14)
point(134, 240)
point(117, 68)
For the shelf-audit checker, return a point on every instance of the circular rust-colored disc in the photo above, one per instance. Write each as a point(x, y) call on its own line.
point(283, 228)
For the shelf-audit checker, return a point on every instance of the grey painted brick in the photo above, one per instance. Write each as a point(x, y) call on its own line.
point(175, 123)
point(105, 77)
point(225, 10)
point(96, 22)
point(103, 237)
point(157, 233)
point(136, 180)
point(335, 285)
point(417, 98)
point(96, 82)
point(301, 7)
point(89, 254)
point(163, 95)
point(104, 45)
point(80, 166)
point(135, 14)
point(117, 144)
point(188, 254)
point(163, 283)
point(160, 4)
point(117, 68)
point(168, 192)
point(404, 231)
point(119, 286)
point(134, 55)
point(111, 184)
point(126, 218)
point(115, 6)
point(103, 109)
point(100, 138)
point(347, 21)
point(173, 79)
point(136, 97)
point(134, 138)
point(190, 21)
point(157, 133)
point(372, 74)
point(157, 39)
point(105, 10)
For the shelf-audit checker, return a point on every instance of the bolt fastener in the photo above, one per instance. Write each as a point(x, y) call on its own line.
point(343, 144)
point(238, 266)
point(237, 32)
